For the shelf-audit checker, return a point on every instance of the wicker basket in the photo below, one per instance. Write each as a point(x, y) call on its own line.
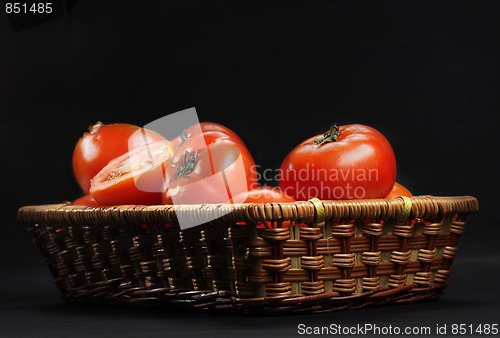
point(333, 255)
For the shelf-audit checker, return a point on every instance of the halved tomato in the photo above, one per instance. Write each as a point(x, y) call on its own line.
point(104, 142)
point(135, 177)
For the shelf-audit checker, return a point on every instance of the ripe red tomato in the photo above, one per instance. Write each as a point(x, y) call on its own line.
point(86, 200)
point(399, 190)
point(102, 144)
point(210, 175)
point(199, 141)
point(347, 162)
point(264, 195)
point(135, 177)
point(210, 165)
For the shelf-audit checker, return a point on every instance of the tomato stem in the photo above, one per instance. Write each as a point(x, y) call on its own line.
point(188, 167)
point(330, 136)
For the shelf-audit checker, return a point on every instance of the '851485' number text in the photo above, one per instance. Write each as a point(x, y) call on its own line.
point(24, 8)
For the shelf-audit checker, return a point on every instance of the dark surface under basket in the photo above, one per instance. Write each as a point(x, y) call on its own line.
point(362, 254)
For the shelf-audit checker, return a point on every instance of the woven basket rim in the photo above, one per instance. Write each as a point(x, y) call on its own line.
point(305, 211)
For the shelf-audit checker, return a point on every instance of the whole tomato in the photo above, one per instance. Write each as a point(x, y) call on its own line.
point(347, 162)
point(135, 177)
point(208, 166)
point(399, 190)
point(86, 200)
point(264, 195)
point(104, 142)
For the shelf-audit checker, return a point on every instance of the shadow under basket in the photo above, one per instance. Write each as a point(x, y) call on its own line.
point(311, 256)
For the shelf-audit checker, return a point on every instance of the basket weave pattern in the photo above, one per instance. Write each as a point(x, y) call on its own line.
point(249, 260)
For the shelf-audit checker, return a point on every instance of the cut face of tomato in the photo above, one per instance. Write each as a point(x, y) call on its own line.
point(135, 177)
point(103, 143)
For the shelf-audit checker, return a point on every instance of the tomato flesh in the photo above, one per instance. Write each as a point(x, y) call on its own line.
point(135, 177)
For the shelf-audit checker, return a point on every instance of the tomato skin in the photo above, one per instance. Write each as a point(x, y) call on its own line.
point(223, 166)
point(360, 164)
point(86, 200)
point(195, 190)
point(399, 190)
point(104, 142)
point(199, 142)
point(206, 128)
point(222, 169)
point(212, 126)
point(135, 177)
point(263, 194)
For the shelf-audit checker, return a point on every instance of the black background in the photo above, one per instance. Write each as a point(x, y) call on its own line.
point(425, 74)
